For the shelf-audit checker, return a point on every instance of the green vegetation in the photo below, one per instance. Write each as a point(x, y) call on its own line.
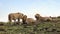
point(41, 28)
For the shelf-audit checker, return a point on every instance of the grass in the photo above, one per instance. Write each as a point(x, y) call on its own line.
point(42, 28)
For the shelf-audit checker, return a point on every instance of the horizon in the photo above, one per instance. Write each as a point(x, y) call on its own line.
point(29, 7)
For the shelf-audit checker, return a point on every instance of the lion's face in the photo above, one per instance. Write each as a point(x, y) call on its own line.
point(24, 17)
point(37, 16)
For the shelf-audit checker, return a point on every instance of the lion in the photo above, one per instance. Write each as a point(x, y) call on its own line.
point(28, 20)
point(42, 19)
point(14, 16)
point(38, 17)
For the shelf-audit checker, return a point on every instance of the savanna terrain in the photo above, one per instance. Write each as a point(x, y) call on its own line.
point(41, 28)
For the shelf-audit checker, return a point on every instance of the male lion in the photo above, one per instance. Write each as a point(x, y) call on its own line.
point(14, 16)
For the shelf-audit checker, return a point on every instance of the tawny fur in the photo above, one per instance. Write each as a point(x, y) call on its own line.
point(14, 16)
point(40, 18)
point(28, 20)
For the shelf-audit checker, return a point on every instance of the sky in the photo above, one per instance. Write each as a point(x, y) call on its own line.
point(29, 7)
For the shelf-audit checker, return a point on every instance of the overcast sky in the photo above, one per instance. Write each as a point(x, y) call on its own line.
point(29, 7)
